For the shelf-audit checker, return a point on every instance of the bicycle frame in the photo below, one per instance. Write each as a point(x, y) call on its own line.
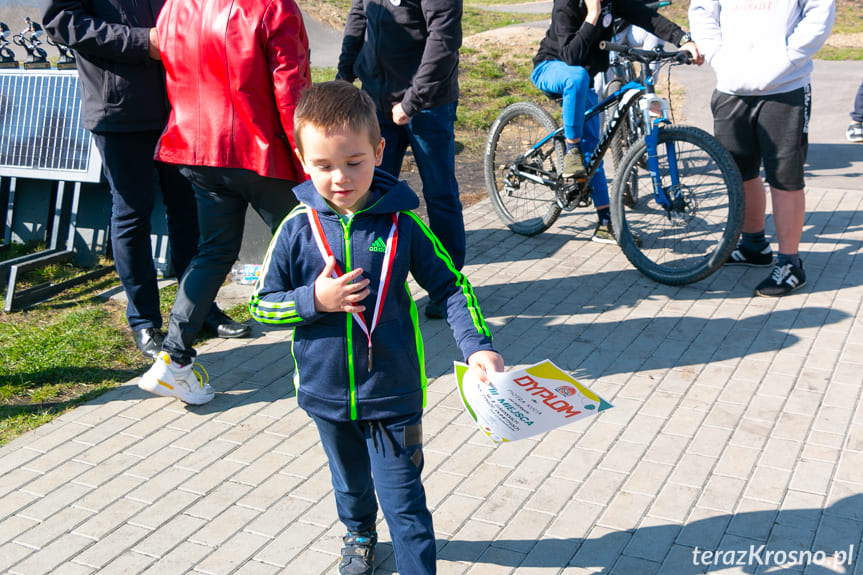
point(644, 94)
point(655, 111)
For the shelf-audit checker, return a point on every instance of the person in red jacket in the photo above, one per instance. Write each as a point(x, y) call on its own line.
point(123, 104)
point(235, 70)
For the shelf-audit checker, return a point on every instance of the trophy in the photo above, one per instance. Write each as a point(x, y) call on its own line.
point(67, 57)
point(28, 39)
point(7, 57)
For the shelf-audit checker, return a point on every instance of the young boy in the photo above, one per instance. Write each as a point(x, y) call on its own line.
point(336, 271)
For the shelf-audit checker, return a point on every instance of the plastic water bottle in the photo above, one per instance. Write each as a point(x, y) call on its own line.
point(245, 274)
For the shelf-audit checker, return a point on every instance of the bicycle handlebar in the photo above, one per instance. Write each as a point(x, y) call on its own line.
point(658, 4)
point(646, 56)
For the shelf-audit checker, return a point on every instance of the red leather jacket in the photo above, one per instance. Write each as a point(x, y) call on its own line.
point(235, 70)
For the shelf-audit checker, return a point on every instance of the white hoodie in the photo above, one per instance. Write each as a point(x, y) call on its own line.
point(760, 47)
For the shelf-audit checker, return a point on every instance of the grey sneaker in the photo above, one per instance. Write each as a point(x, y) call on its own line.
point(358, 554)
point(854, 133)
point(782, 281)
point(603, 234)
point(573, 164)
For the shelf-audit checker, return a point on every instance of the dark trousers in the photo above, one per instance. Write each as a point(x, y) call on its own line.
point(222, 195)
point(129, 168)
point(432, 140)
point(383, 456)
point(857, 114)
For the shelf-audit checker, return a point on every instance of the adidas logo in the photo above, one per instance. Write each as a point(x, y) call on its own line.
point(378, 246)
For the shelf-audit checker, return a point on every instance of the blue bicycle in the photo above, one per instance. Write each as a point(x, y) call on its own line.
point(676, 195)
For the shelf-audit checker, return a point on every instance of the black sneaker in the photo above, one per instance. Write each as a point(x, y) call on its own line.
point(358, 554)
point(743, 257)
point(784, 280)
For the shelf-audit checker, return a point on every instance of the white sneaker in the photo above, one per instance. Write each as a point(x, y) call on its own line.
point(187, 384)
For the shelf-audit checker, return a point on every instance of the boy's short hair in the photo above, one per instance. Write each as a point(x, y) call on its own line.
point(336, 105)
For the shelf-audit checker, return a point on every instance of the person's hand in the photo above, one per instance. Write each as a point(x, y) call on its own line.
point(697, 57)
point(483, 361)
point(594, 9)
point(342, 293)
point(153, 47)
point(399, 116)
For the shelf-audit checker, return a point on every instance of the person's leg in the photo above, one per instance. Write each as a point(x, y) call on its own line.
point(573, 84)
point(756, 205)
point(127, 163)
point(854, 133)
point(181, 215)
point(734, 125)
point(273, 199)
point(396, 143)
point(344, 442)
point(789, 212)
point(432, 140)
point(346, 446)
point(221, 218)
point(397, 462)
point(783, 124)
point(857, 113)
point(603, 233)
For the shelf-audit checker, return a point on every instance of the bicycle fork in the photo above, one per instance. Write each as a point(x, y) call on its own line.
point(655, 110)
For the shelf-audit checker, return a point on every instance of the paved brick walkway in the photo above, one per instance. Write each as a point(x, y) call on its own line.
point(738, 422)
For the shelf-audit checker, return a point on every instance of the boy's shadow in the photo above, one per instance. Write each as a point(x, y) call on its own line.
point(726, 542)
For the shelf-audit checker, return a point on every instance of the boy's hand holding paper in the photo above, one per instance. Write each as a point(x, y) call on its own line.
point(524, 402)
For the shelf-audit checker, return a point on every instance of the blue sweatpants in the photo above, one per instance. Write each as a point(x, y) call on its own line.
point(383, 456)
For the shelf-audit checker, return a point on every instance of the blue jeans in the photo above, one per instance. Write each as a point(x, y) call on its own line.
point(222, 196)
point(857, 114)
point(432, 140)
point(573, 84)
point(129, 168)
point(383, 456)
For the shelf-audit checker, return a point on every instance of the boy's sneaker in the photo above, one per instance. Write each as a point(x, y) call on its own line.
point(743, 257)
point(784, 280)
point(573, 164)
point(603, 234)
point(854, 133)
point(186, 383)
point(358, 554)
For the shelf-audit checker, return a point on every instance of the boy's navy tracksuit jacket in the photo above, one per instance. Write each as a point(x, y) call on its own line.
point(330, 349)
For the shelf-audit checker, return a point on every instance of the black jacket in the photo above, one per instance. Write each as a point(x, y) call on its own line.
point(122, 88)
point(404, 51)
point(573, 41)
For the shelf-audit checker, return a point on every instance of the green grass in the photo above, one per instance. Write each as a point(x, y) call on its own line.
point(59, 354)
point(488, 82)
point(476, 20)
point(56, 356)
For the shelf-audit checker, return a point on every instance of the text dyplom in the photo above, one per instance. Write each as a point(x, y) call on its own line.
point(525, 402)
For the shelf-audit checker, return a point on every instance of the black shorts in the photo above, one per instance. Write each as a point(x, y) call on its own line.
point(773, 129)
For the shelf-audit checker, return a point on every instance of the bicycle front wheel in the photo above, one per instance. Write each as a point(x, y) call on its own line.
point(526, 205)
point(695, 235)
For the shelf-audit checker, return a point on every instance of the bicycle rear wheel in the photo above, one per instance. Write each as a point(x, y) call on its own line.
point(694, 238)
point(528, 207)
